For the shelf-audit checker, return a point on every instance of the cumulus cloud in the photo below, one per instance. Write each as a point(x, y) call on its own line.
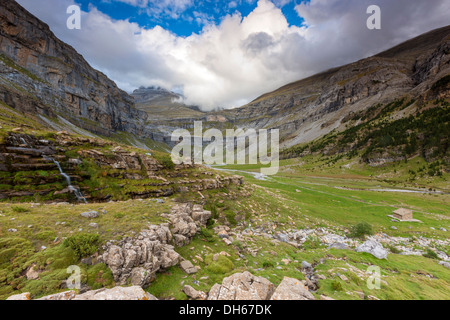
point(161, 8)
point(229, 64)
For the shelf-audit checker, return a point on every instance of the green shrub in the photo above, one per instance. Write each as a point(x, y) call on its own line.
point(268, 264)
point(312, 243)
point(361, 230)
point(165, 160)
point(238, 244)
point(430, 254)
point(207, 234)
point(83, 244)
point(231, 217)
point(394, 250)
point(20, 209)
point(336, 285)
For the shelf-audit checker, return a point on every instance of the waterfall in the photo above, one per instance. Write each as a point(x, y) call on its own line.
point(76, 191)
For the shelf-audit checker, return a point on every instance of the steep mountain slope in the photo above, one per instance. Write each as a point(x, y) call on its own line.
point(161, 104)
point(313, 107)
point(39, 74)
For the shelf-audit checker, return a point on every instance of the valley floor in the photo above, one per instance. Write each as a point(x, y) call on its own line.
point(287, 220)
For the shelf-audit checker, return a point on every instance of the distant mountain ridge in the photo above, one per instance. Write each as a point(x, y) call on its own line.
point(162, 104)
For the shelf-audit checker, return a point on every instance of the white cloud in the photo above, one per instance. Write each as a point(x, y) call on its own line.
point(161, 8)
point(232, 63)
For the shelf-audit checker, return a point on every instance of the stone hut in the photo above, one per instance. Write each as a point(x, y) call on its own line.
point(403, 214)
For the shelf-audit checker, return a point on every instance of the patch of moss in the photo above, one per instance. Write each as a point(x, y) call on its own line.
point(99, 276)
point(223, 265)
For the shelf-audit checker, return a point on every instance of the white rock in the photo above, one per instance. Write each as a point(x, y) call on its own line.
point(292, 289)
point(374, 248)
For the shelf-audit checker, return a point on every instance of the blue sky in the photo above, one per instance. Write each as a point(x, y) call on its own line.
point(185, 18)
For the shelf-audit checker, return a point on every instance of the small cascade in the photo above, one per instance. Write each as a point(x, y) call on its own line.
point(76, 191)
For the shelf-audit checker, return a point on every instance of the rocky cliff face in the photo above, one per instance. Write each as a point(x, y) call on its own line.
point(39, 74)
point(28, 171)
point(310, 108)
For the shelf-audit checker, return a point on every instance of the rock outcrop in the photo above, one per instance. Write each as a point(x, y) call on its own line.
point(246, 286)
point(374, 248)
point(136, 260)
point(242, 286)
point(27, 156)
point(292, 289)
point(41, 75)
point(116, 293)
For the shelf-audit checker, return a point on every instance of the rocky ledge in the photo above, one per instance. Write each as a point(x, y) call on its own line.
point(136, 260)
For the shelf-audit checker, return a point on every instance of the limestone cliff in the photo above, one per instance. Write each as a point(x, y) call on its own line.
point(311, 108)
point(40, 74)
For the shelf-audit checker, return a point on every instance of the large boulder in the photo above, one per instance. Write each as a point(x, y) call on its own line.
point(90, 214)
point(67, 295)
point(117, 293)
point(194, 294)
point(22, 296)
point(242, 286)
point(374, 248)
point(292, 289)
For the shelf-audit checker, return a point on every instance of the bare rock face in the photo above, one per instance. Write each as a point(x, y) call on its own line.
point(186, 221)
point(116, 293)
point(245, 286)
point(313, 107)
point(292, 289)
point(138, 259)
point(242, 286)
point(53, 78)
